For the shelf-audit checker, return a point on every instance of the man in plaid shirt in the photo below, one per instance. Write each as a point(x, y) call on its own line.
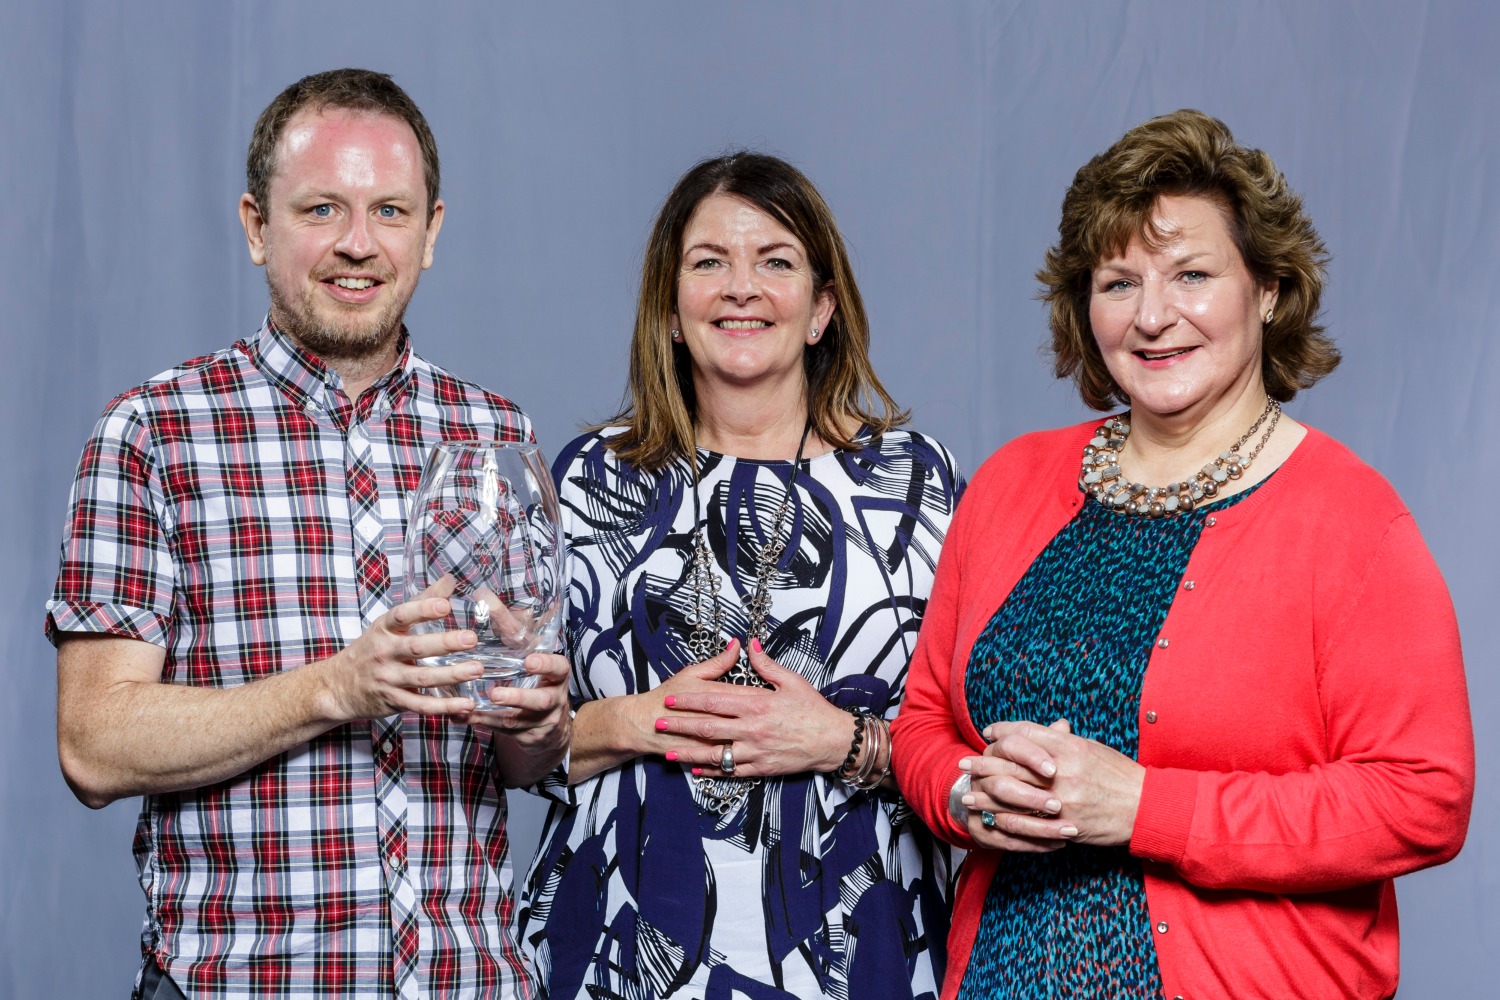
point(232, 641)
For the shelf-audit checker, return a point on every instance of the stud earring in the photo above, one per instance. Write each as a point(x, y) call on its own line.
point(677, 336)
point(815, 332)
point(1270, 313)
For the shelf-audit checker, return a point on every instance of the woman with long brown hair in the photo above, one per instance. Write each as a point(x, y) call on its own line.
point(756, 515)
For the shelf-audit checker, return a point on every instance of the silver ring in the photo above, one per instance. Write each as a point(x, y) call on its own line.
point(987, 818)
point(726, 759)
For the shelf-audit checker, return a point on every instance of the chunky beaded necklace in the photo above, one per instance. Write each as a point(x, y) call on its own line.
point(1100, 477)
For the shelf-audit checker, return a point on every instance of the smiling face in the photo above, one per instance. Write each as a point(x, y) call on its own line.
point(346, 234)
point(1179, 326)
point(746, 305)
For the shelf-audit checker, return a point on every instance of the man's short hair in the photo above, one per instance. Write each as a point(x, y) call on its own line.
point(345, 89)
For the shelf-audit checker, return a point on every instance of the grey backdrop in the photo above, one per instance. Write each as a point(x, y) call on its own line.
point(943, 134)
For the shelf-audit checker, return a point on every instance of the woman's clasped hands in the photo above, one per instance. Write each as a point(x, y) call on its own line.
point(1036, 788)
point(788, 728)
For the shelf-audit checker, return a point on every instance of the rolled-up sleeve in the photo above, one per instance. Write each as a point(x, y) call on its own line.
point(117, 573)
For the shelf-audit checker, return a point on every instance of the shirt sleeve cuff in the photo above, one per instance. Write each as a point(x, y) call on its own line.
point(98, 618)
point(1165, 815)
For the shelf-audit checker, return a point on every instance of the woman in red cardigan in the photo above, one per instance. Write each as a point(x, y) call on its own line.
point(1189, 685)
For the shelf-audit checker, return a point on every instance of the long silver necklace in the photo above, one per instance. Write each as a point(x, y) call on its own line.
point(1101, 478)
point(723, 794)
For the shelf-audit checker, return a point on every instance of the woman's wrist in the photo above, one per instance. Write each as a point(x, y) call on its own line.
point(855, 747)
point(604, 736)
point(867, 761)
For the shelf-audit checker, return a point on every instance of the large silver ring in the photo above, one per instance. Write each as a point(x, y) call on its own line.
point(726, 759)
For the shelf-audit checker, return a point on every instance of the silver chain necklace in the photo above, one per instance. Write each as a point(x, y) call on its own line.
point(1101, 478)
point(722, 794)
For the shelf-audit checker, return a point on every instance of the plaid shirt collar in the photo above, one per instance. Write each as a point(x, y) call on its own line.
point(311, 385)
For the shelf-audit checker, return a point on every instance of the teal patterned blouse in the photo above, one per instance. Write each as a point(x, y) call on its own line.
point(1071, 642)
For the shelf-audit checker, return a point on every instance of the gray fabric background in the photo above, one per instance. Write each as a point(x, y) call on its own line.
point(943, 134)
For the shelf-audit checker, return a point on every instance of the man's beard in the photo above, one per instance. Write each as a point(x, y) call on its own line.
point(360, 337)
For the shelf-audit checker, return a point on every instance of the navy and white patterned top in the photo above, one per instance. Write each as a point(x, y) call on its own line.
point(242, 512)
point(1071, 642)
point(810, 888)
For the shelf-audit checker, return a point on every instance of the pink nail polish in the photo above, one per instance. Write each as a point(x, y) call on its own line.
point(661, 725)
point(670, 700)
point(671, 755)
point(755, 645)
point(697, 770)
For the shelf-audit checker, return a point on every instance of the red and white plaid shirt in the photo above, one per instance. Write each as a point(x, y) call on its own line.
point(242, 513)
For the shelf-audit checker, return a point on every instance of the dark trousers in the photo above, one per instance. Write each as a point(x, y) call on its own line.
point(157, 985)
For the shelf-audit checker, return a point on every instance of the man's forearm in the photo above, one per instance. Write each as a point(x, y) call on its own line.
point(121, 733)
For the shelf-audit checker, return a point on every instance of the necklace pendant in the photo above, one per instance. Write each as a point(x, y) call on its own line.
point(724, 795)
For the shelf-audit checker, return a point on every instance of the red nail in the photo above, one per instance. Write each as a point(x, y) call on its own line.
point(670, 700)
point(671, 755)
point(661, 725)
point(755, 645)
point(697, 770)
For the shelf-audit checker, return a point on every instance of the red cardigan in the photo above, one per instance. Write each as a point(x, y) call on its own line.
point(1305, 729)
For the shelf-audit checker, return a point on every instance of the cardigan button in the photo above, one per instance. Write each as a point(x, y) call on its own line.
point(1150, 716)
point(1161, 928)
point(1163, 643)
point(1189, 585)
point(1209, 522)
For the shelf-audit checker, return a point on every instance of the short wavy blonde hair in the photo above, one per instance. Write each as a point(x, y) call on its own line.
point(1110, 202)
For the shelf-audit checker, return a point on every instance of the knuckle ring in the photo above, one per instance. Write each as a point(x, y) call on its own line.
point(987, 818)
point(726, 758)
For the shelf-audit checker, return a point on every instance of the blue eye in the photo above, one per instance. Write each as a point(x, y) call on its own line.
point(322, 211)
point(388, 211)
point(777, 264)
